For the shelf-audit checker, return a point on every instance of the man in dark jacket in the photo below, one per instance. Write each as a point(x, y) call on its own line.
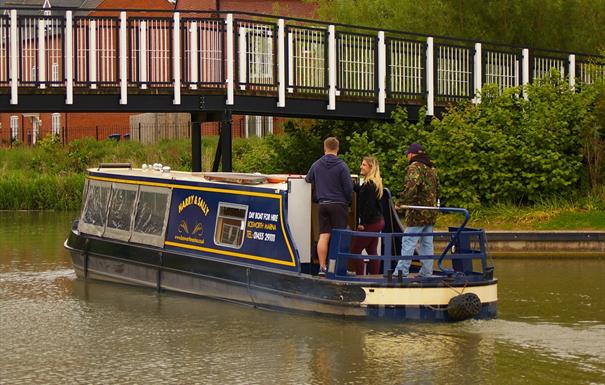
point(333, 189)
point(421, 188)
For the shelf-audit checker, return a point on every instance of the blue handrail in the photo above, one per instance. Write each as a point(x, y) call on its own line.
point(340, 250)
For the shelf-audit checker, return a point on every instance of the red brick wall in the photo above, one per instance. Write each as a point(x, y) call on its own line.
point(73, 125)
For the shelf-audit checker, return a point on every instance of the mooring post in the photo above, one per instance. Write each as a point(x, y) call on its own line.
point(226, 139)
point(196, 142)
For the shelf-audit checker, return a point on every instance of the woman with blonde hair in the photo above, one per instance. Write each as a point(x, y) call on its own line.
point(369, 214)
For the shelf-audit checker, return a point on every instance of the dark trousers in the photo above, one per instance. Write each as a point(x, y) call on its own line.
point(370, 244)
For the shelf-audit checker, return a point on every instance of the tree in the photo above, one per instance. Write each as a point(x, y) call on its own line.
point(571, 25)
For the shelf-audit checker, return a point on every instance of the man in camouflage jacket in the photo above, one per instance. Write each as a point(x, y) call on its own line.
point(421, 188)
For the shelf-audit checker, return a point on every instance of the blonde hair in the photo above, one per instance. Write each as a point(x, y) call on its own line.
point(374, 174)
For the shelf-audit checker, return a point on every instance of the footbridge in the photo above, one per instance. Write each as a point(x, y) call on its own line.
point(216, 64)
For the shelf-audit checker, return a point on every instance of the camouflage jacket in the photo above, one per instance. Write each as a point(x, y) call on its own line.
point(421, 188)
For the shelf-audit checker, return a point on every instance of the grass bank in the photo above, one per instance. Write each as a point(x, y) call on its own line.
point(51, 176)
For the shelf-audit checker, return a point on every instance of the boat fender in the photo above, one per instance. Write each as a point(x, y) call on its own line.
point(464, 306)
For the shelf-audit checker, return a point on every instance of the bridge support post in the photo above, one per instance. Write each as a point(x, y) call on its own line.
point(230, 80)
point(242, 62)
point(331, 68)
point(430, 78)
point(478, 74)
point(123, 61)
point(281, 63)
point(68, 59)
point(196, 142)
point(14, 58)
point(176, 61)
point(226, 140)
point(382, 72)
point(193, 68)
point(572, 71)
point(143, 54)
point(42, 53)
point(92, 54)
point(524, 70)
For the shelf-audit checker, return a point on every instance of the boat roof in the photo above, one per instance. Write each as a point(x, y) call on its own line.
point(271, 181)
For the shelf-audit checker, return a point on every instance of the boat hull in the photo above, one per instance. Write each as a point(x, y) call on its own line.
point(122, 262)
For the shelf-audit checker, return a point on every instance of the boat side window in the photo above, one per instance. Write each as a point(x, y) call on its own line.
point(151, 215)
point(121, 207)
point(94, 213)
point(230, 225)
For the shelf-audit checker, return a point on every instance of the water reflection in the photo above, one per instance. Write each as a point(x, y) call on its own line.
point(58, 330)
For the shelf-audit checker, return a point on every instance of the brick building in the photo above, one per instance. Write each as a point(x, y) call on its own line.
point(30, 127)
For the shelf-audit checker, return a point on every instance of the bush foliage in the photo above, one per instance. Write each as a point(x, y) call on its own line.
point(518, 146)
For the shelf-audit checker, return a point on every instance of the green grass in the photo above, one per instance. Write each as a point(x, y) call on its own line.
point(587, 213)
point(50, 176)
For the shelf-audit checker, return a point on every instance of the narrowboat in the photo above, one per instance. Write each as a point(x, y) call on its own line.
point(250, 239)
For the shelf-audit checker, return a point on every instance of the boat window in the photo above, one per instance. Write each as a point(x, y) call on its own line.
point(94, 213)
point(151, 215)
point(230, 225)
point(121, 207)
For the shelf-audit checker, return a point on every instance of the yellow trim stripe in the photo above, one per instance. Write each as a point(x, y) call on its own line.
point(292, 261)
point(425, 295)
point(230, 253)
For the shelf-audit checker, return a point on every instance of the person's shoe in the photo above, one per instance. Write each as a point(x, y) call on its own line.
point(322, 271)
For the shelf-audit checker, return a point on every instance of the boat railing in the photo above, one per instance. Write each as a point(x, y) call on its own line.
point(464, 245)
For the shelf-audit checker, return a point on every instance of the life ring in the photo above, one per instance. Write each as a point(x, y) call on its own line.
point(464, 306)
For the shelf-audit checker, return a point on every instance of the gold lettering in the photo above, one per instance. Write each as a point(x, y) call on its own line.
point(194, 200)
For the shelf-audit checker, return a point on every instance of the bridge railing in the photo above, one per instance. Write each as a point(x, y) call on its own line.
point(243, 53)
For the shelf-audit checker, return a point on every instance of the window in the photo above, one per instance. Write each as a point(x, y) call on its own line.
point(56, 123)
point(55, 72)
point(230, 225)
point(94, 213)
point(259, 126)
point(151, 215)
point(34, 74)
point(14, 127)
point(121, 206)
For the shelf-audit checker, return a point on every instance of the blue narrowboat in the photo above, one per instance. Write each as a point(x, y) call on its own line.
point(251, 239)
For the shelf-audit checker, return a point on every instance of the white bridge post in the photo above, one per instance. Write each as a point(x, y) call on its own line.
point(41, 53)
point(193, 65)
point(123, 60)
point(382, 73)
point(478, 78)
point(69, 58)
point(14, 56)
point(290, 63)
point(331, 68)
point(281, 63)
point(176, 55)
point(242, 79)
point(230, 74)
point(572, 71)
point(524, 70)
point(92, 54)
point(430, 81)
point(143, 54)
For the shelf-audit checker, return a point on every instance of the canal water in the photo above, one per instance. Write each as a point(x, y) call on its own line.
point(55, 329)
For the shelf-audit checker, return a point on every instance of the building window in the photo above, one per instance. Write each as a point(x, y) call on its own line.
point(55, 72)
point(14, 127)
point(34, 74)
point(56, 123)
point(230, 225)
point(259, 126)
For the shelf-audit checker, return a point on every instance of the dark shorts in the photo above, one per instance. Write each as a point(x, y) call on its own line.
point(333, 216)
